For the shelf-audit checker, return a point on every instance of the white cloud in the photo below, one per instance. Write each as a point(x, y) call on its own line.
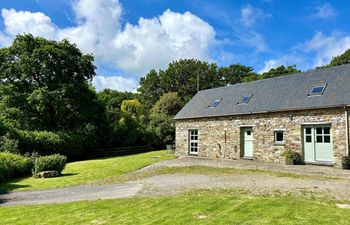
point(115, 82)
point(134, 49)
point(325, 11)
point(249, 15)
point(254, 39)
point(22, 22)
point(155, 42)
point(326, 47)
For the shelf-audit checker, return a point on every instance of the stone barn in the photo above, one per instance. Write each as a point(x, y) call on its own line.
point(259, 120)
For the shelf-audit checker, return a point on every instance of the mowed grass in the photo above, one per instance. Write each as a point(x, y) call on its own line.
point(192, 208)
point(97, 171)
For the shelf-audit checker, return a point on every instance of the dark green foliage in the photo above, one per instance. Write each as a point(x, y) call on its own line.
point(162, 130)
point(51, 162)
point(48, 142)
point(44, 84)
point(280, 71)
point(345, 161)
point(8, 144)
point(46, 97)
point(150, 88)
point(181, 76)
point(13, 165)
point(169, 104)
point(236, 73)
point(340, 59)
point(296, 157)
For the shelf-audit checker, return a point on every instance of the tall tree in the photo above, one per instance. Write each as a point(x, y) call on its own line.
point(150, 88)
point(280, 71)
point(236, 73)
point(44, 85)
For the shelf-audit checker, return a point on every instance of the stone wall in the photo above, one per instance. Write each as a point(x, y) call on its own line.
point(212, 132)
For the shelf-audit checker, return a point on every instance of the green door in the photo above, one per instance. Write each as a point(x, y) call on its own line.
point(318, 144)
point(248, 142)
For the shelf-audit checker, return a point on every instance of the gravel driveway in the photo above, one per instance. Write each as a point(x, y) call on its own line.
point(71, 194)
point(322, 182)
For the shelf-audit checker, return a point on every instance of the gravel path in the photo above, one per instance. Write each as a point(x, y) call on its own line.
point(71, 194)
point(254, 183)
point(312, 170)
point(257, 183)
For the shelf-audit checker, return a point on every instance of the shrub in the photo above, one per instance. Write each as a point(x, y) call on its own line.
point(50, 162)
point(345, 161)
point(7, 144)
point(13, 165)
point(47, 143)
point(295, 156)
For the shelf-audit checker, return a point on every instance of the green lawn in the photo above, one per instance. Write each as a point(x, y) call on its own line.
point(203, 208)
point(97, 171)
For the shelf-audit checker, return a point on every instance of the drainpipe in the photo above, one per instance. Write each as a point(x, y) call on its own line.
point(347, 129)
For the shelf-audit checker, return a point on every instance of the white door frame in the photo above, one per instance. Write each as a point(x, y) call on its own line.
point(248, 142)
point(193, 141)
point(318, 146)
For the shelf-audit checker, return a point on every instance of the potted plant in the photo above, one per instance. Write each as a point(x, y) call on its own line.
point(345, 162)
point(293, 157)
point(288, 155)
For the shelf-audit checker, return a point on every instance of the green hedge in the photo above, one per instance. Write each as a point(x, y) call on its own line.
point(50, 162)
point(13, 165)
point(47, 143)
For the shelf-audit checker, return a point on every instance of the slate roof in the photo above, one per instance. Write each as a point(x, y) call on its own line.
point(285, 93)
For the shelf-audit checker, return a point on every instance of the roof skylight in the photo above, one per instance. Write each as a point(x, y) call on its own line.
point(245, 99)
point(317, 90)
point(214, 103)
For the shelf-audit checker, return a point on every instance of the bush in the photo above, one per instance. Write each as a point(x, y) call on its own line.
point(7, 144)
point(295, 156)
point(50, 162)
point(47, 143)
point(345, 161)
point(13, 166)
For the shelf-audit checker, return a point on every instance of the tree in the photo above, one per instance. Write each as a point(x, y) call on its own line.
point(169, 104)
point(181, 76)
point(150, 88)
point(133, 107)
point(280, 71)
point(112, 101)
point(44, 84)
point(45, 92)
point(340, 59)
point(236, 73)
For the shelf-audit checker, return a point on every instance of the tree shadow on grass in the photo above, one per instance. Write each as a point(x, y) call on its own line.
point(67, 174)
point(11, 185)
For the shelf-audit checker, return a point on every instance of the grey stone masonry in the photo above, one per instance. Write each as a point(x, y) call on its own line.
point(220, 137)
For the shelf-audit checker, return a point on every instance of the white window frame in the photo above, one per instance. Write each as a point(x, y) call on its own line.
point(193, 149)
point(275, 137)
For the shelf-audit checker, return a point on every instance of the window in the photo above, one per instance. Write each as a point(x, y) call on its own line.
point(193, 142)
point(245, 99)
point(323, 135)
point(279, 137)
point(214, 103)
point(317, 90)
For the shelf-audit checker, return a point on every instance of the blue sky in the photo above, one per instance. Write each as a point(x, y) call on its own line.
point(128, 38)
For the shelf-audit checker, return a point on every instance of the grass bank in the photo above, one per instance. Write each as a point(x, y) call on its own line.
point(97, 171)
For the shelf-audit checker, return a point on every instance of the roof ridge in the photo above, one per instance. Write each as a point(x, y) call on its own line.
point(279, 77)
